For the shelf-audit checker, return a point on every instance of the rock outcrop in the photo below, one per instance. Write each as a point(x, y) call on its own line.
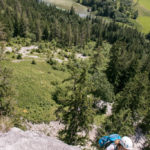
point(17, 139)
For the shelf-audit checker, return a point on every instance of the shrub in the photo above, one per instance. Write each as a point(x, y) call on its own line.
point(13, 56)
point(19, 56)
point(5, 124)
point(7, 52)
point(33, 62)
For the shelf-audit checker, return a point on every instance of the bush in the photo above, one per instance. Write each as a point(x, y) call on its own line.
point(7, 52)
point(13, 56)
point(5, 124)
point(33, 62)
point(19, 56)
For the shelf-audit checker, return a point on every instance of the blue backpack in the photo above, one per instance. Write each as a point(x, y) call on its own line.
point(105, 141)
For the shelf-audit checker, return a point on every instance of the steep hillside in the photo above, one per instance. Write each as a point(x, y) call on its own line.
point(63, 65)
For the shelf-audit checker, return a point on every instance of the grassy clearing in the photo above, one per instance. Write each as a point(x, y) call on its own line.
point(34, 86)
point(145, 4)
point(143, 21)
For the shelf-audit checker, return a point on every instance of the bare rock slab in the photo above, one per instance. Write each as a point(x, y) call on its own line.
point(17, 139)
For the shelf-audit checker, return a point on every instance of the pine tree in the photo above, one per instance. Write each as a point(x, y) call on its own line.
point(38, 31)
point(69, 35)
point(77, 109)
point(72, 11)
point(101, 88)
point(45, 34)
point(22, 28)
point(135, 97)
point(16, 27)
point(130, 109)
point(2, 33)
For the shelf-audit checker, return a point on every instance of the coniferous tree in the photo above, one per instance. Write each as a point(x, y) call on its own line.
point(45, 34)
point(16, 27)
point(77, 108)
point(38, 31)
point(101, 88)
point(72, 11)
point(130, 108)
point(22, 28)
point(6, 92)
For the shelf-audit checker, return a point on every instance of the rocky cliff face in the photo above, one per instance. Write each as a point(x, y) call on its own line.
point(17, 139)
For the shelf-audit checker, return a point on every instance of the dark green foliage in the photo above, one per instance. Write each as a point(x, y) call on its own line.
point(19, 56)
point(118, 10)
point(120, 123)
point(77, 111)
point(33, 62)
point(39, 21)
point(101, 87)
point(72, 11)
point(2, 33)
point(135, 97)
point(123, 65)
point(6, 92)
point(131, 108)
point(45, 34)
point(148, 36)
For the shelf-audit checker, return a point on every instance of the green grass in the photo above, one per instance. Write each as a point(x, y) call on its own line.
point(143, 20)
point(33, 86)
point(145, 4)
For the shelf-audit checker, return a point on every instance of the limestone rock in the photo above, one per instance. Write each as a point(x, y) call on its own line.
point(17, 139)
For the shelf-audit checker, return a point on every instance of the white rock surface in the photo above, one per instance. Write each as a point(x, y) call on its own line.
point(8, 49)
point(50, 129)
point(80, 56)
point(101, 104)
point(25, 51)
point(17, 139)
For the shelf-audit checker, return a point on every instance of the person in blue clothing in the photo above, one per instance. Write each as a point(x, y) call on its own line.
point(125, 143)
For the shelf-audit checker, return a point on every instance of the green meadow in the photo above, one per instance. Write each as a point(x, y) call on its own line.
point(34, 85)
point(145, 4)
point(143, 20)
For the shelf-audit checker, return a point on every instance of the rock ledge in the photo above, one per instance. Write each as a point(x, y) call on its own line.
point(17, 139)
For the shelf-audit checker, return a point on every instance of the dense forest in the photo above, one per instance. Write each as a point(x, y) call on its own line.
point(119, 10)
point(125, 80)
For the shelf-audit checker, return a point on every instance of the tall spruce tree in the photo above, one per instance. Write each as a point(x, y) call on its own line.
point(77, 108)
point(101, 87)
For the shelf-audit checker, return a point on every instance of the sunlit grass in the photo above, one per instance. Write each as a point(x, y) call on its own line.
point(33, 86)
point(145, 22)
